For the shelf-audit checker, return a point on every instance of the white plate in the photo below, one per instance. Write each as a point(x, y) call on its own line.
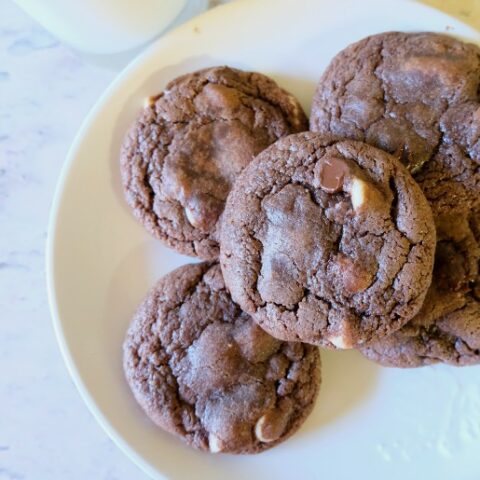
point(369, 422)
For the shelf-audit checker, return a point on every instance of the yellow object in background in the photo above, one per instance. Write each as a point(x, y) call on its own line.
point(467, 11)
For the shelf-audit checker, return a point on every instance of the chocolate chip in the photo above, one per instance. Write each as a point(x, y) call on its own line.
point(331, 174)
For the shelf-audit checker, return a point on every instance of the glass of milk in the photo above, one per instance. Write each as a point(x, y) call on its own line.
point(109, 26)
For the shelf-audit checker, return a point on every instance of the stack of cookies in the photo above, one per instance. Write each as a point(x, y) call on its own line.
point(417, 96)
point(361, 233)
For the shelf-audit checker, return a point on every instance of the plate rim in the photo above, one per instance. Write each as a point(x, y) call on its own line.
point(60, 189)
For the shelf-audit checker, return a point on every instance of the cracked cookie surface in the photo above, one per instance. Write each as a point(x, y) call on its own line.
point(447, 328)
point(327, 242)
point(418, 97)
point(188, 145)
point(203, 370)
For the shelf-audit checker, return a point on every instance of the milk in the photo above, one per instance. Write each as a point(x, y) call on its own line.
point(106, 26)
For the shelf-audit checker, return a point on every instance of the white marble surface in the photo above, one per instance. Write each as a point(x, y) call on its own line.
point(46, 432)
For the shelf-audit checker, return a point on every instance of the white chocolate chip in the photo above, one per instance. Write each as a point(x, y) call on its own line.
point(148, 102)
point(214, 443)
point(259, 427)
point(270, 426)
point(340, 342)
point(358, 193)
point(190, 217)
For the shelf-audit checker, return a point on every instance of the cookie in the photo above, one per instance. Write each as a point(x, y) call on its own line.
point(327, 242)
point(203, 370)
point(190, 142)
point(418, 97)
point(447, 328)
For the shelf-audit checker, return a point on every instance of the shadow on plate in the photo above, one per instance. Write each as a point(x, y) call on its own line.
point(348, 381)
point(130, 282)
point(302, 88)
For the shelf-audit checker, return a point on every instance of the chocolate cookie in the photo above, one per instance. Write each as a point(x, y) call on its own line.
point(189, 144)
point(447, 328)
point(418, 97)
point(327, 242)
point(204, 371)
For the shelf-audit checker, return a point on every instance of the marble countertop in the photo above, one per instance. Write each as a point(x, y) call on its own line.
point(46, 432)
